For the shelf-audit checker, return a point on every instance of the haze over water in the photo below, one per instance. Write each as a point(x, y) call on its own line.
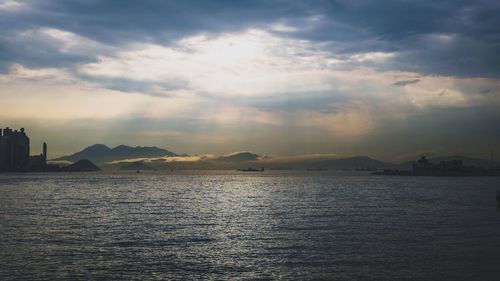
point(232, 225)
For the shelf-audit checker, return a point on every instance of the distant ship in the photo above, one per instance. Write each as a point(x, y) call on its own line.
point(365, 169)
point(317, 169)
point(252, 170)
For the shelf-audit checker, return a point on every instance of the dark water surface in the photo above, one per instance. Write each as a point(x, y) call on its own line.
point(229, 225)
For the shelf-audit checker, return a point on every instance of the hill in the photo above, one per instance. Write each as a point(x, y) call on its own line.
point(83, 165)
point(352, 163)
point(100, 153)
point(239, 157)
point(478, 162)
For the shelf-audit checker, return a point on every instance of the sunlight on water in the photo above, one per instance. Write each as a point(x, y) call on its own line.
point(229, 225)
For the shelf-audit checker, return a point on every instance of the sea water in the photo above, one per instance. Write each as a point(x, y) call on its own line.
point(235, 225)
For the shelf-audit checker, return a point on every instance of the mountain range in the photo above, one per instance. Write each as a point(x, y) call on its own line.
point(478, 162)
point(100, 153)
point(150, 158)
point(239, 157)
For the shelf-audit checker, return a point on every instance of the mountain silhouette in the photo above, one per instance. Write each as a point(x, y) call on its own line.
point(358, 162)
point(83, 165)
point(100, 153)
point(478, 162)
point(121, 155)
point(240, 157)
point(248, 159)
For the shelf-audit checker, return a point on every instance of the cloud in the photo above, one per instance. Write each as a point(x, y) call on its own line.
point(253, 62)
point(11, 5)
point(277, 159)
point(229, 161)
point(450, 38)
point(168, 159)
point(313, 76)
point(51, 94)
point(485, 91)
point(405, 82)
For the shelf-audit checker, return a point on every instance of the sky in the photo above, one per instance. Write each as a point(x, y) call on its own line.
point(387, 79)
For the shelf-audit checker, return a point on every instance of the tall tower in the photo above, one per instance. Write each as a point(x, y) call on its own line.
point(44, 155)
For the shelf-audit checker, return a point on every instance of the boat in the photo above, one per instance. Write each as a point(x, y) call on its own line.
point(251, 170)
point(317, 169)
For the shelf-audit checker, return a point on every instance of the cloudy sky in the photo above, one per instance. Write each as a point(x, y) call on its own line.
point(388, 79)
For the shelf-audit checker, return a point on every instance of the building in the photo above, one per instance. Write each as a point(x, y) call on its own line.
point(38, 162)
point(15, 152)
point(422, 165)
point(449, 168)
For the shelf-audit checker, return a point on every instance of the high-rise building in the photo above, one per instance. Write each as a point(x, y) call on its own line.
point(14, 150)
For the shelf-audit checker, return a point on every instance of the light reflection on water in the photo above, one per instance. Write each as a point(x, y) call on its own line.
point(230, 225)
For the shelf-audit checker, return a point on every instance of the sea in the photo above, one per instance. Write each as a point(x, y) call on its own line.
point(229, 225)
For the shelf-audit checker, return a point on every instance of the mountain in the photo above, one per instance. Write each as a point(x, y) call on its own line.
point(136, 166)
point(351, 163)
point(140, 152)
point(95, 149)
point(100, 153)
point(240, 157)
point(478, 162)
point(248, 159)
point(83, 165)
point(364, 162)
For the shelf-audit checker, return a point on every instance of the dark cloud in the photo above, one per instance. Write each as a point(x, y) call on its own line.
point(457, 38)
point(159, 89)
point(403, 83)
point(34, 50)
point(118, 22)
